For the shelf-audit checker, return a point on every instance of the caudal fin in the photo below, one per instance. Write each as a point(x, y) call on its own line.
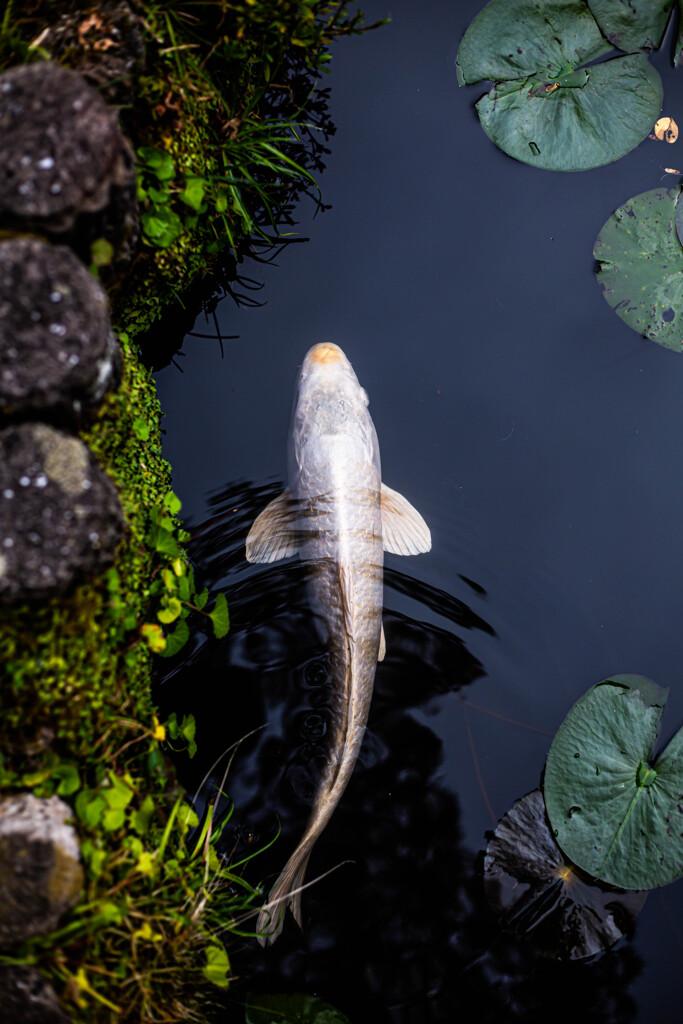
point(285, 893)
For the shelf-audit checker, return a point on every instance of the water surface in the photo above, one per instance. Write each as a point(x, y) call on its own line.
point(540, 438)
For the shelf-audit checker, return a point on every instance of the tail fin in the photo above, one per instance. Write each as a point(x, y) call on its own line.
point(285, 892)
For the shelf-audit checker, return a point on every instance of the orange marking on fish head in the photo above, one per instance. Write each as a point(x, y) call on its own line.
point(326, 353)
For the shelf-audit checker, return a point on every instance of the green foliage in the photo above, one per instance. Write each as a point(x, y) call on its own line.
point(174, 584)
point(183, 732)
point(80, 676)
point(638, 25)
point(614, 811)
point(291, 1009)
point(217, 968)
point(139, 858)
point(215, 161)
point(78, 664)
point(545, 107)
point(193, 193)
point(218, 112)
point(640, 260)
point(219, 616)
point(160, 224)
point(101, 254)
point(220, 133)
point(514, 40)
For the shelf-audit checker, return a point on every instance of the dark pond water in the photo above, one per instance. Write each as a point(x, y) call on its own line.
point(540, 438)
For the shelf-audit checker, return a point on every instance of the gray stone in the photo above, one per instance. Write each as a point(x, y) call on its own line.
point(40, 870)
point(57, 349)
point(62, 153)
point(60, 516)
point(27, 998)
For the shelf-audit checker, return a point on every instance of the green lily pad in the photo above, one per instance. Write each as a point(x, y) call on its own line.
point(291, 1009)
point(641, 264)
point(511, 40)
point(614, 812)
point(678, 50)
point(543, 898)
point(544, 108)
point(638, 25)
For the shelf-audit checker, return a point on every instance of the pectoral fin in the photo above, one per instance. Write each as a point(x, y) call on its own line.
point(382, 645)
point(404, 531)
point(273, 532)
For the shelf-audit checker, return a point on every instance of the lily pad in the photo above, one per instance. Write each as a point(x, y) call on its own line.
point(614, 812)
point(511, 40)
point(638, 25)
point(544, 898)
point(545, 109)
point(678, 50)
point(641, 260)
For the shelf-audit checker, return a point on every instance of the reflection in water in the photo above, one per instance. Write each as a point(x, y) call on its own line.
point(563, 911)
point(163, 342)
point(403, 932)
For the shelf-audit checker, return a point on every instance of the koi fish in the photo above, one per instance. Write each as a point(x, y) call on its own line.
point(339, 517)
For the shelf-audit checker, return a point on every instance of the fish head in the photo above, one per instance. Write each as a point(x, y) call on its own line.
point(330, 401)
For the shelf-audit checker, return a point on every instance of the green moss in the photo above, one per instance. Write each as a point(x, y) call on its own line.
point(54, 653)
point(219, 156)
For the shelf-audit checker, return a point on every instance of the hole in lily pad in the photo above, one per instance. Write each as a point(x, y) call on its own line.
point(640, 260)
point(546, 899)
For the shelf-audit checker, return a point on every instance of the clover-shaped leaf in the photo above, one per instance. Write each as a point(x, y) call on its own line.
point(614, 810)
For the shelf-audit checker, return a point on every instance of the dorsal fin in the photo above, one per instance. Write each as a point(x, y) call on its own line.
point(404, 531)
point(346, 590)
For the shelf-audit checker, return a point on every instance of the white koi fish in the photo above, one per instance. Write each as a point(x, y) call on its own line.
point(340, 518)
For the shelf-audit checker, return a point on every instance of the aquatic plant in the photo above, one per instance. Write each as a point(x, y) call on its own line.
point(640, 264)
point(640, 25)
point(615, 809)
point(569, 867)
point(553, 103)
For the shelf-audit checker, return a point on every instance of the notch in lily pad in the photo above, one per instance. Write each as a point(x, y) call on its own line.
point(640, 265)
point(636, 25)
point(616, 810)
point(549, 105)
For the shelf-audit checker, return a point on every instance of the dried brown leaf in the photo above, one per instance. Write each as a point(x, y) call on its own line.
point(666, 129)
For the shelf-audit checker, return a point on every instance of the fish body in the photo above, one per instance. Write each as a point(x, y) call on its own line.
point(339, 518)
